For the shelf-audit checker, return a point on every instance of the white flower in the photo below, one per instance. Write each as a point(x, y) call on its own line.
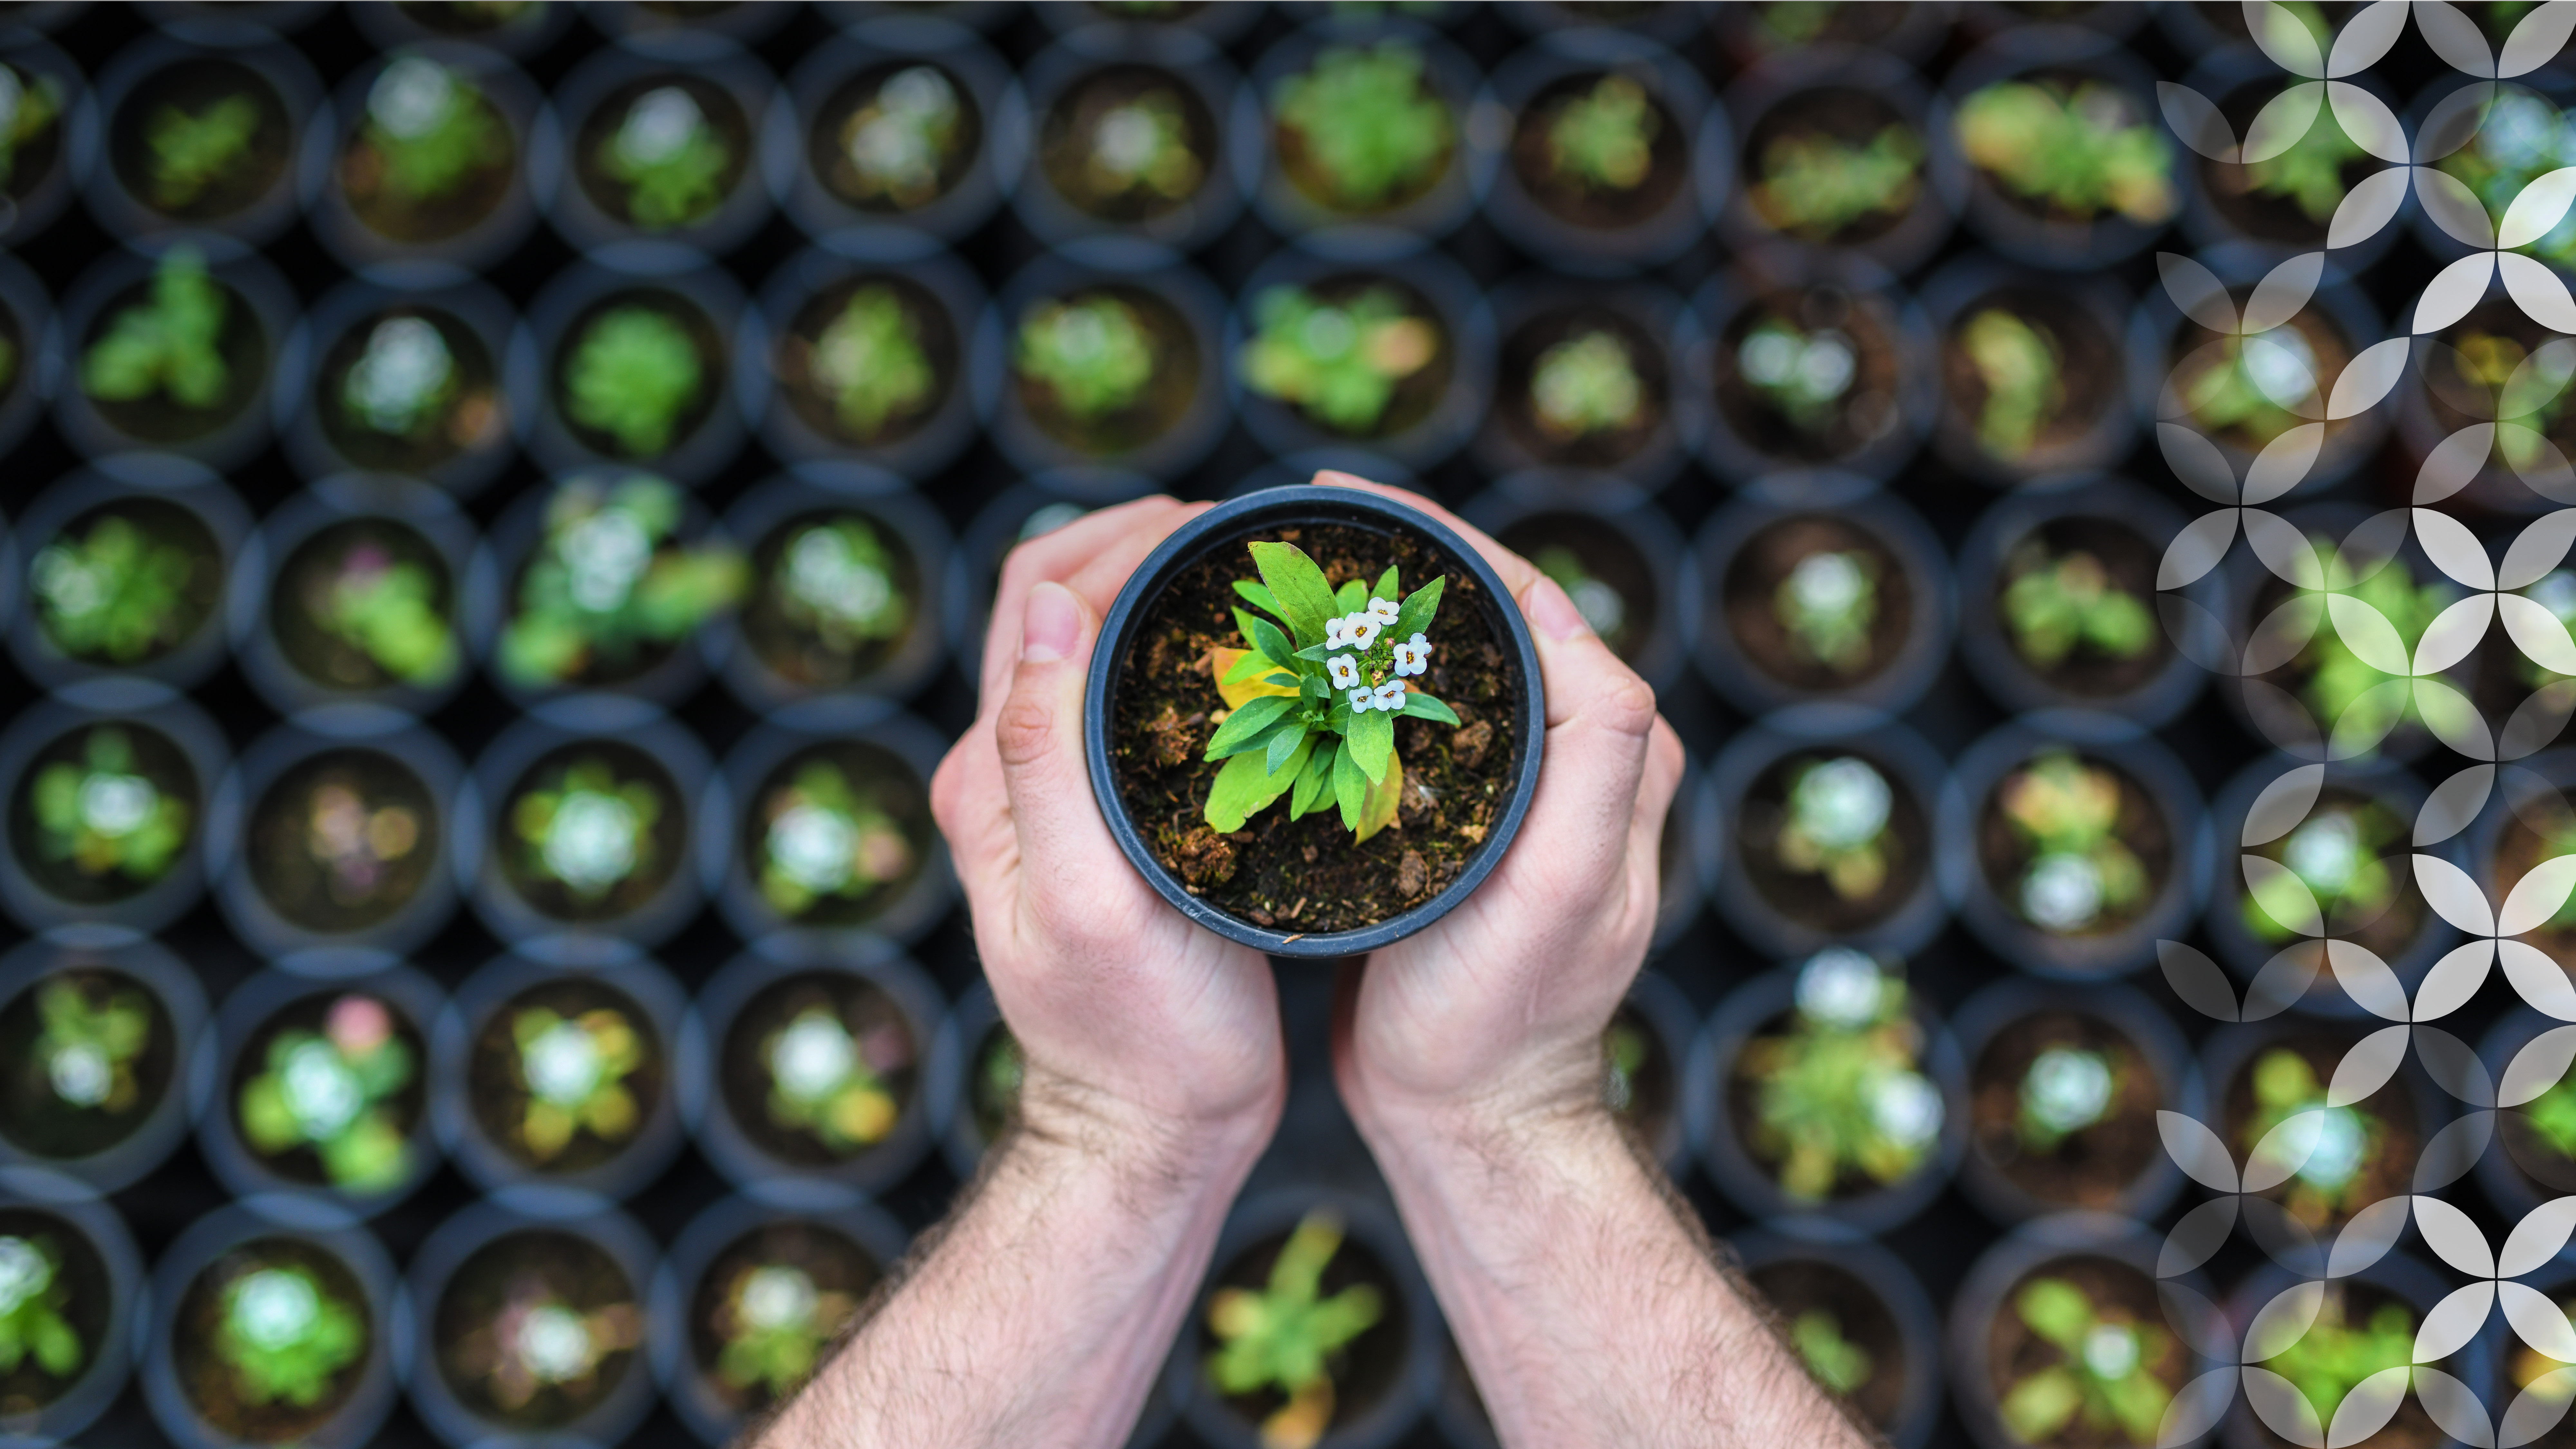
point(812, 1057)
point(322, 1094)
point(563, 1065)
point(81, 1074)
point(1905, 1108)
point(554, 1344)
point(1344, 669)
point(2067, 1089)
point(1337, 633)
point(1385, 611)
point(1390, 695)
point(1840, 987)
point(1413, 658)
point(1359, 630)
point(2111, 1350)
point(274, 1308)
point(1362, 700)
point(776, 1296)
point(24, 1273)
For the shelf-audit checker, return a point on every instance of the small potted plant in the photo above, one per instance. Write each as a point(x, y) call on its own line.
point(1812, 363)
point(1589, 377)
point(1601, 169)
point(1828, 837)
point(430, 169)
point(407, 383)
point(202, 137)
point(2366, 1323)
point(361, 603)
point(173, 356)
point(69, 1286)
point(263, 1332)
point(898, 132)
point(818, 1069)
point(2262, 1075)
point(1839, 594)
point(2072, 857)
point(601, 583)
point(1623, 568)
point(2071, 166)
point(835, 834)
point(592, 832)
point(2285, 203)
point(2467, 375)
point(532, 1327)
point(845, 609)
point(2325, 681)
point(105, 812)
point(1129, 139)
point(756, 1295)
point(571, 1081)
point(1106, 368)
point(2242, 393)
point(660, 145)
point(870, 360)
point(124, 575)
point(1828, 1089)
point(1395, 357)
point(323, 1088)
point(1837, 153)
point(633, 370)
point(1858, 1321)
point(976, 1069)
point(1365, 138)
point(2064, 1084)
point(1314, 1329)
point(100, 1039)
point(2038, 375)
point(45, 99)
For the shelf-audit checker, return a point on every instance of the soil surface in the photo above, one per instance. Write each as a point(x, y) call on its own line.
point(669, 834)
point(497, 1091)
point(1867, 410)
point(155, 758)
point(830, 163)
point(33, 1116)
point(1608, 447)
point(1608, 555)
point(521, 1269)
point(2014, 1353)
point(1065, 140)
point(408, 218)
point(2389, 1167)
point(406, 1106)
point(2004, 854)
point(1365, 1370)
point(1571, 198)
point(1807, 899)
point(830, 1259)
point(86, 1305)
point(2131, 562)
point(1167, 395)
point(1305, 876)
point(2089, 1168)
point(163, 524)
point(209, 1382)
point(724, 115)
point(933, 330)
point(1798, 1285)
point(302, 592)
point(474, 417)
point(305, 886)
point(154, 418)
point(1846, 116)
point(193, 87)
point(713, 355)
point(798, 654)
point(2090, 371)
point(891, 1045)
point(876, 776)
point(1752, 589)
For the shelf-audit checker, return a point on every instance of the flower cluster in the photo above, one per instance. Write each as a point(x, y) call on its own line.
point(1359, 631)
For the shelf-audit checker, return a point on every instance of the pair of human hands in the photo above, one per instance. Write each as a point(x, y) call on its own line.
point(1146, 1035)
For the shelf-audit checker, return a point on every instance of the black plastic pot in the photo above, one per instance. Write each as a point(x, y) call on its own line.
point(1709, 1086)
point(549, 921)
point(1025, 510)
point(295, 664)
point(2089, 318)
point(1226, 528)
point(1632, 562)
point(187, 1307)
point(1394, 1367)
point(1126, 60)
point(588, 1265)
point(434, 252)
point(91, 1255)
point(1854, 93)
point(522, 32)
point(965, 1117)
point(222, 57)
point(35, 370)
point(294, 1182)
point(733, 92)
point(474, 1047)
point(1177, 302)
point(260, 316)
point(1416, 434)
point(1883, 413)
point(887, 762)
point(1748, 550)
point(877, 997)
point(2220, 202)
point(1660, 340)
point(57, 161)
point(2003, 221)
point(842, 77)
point(1647, 232)
point(2227, 1058)
point(175, 747)
point(2399, 1276)
point(1808, 1264)
point(45, 1131)
point(173, 504)
point(1405, 224)
point(706, 434)
point(1908, 32)
point(1217, 24)
point(2126, 528)
point(2160, 821)
point(786, 671)
point(805, 296)
point(319, 426)
point(732, 1237)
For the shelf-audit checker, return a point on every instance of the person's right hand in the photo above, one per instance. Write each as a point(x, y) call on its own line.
point(1145, 1036)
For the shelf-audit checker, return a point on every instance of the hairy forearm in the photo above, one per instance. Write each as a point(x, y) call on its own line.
point(1586, 1299)
point(1041, 1312)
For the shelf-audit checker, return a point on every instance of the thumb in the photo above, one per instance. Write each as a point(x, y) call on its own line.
point(1600, 716)
point(1038, 735)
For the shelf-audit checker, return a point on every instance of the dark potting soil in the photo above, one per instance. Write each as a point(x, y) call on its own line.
point(1167, 395)
point(827, 154)
point(155, 758)
point(406, 1106)
point(1801, 1285)
point(194, 87)
point(2130, 561)
point(1364, 1371)
point(2262, 216)
point(1417, 395)
point(1653, 1092)
point(724, 115)
point(2089, 1168)
point(925, 318)
point(1744, 1118)
point(2406, 915)
point(212, 1386)
point(86, 1301)
point(1607, 555)
point(797, 653)
point(2390, 1165)
point(2091, 375)
point(301, 596)
point(995, 1110)
point(496, 1088)
point(33, 1116)
point(1845, 116)
point(1607, 447)
point(1065, 140)
point(241, 342)
point(2004, 854)
point(399, 840)
point(2194, 351)
point(1867, 410)
point(34, 158)
point(391, 212)
point(1575, 199)
point(1750, 597)
point(890, 1043)
point(2350, 1302)
point(163, 525)
point(662, 855)
point(1307, 173)
point(834, 1263)
point(876, 776)
point(2014, 1353)
point(1305, 875)
point(1806, 898)
point(512, 1273)
point(704, 337)
point(474, 416)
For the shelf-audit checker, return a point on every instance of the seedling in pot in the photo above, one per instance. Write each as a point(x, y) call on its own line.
point(1838, 1095)
point(1802, 375)
point(2057, 606)
point(2250, 385)
point(2074, 152)
point(1837, 826)
point(1604, 139)
point(105, 816)
point(1131, 156)
point(833, 602)
point(1826, 606)
point(542, 1356)
point(2333, 859)
point(2333, 1180)
point(2532, 397)
point(2341, 688)
point(1603, 607)
point(1340, 362)
point(574, 1071)
point(895, 152)
point(28, 105)
point(2333, 1357)
point(90, 1051)
point(775, 1322)
point(1815, 186)
point(193, 153)
point(1359, 131)
point(1092, 353)
point(2081, 876)
point(2017, 361)
point(284, 1337)
point(1286, 1336)
point(428, 136)
point(609, 589)
point(120, 594)
point(34, 1297)
point(1585, 385)
point(2310, 173)
point(406, 387)
point(387, 609)
point(2520, 139)
point(633, 374)
point(167, 345)
point(343, 841)
point(331, 1092)
point(2066, 1090)
point(2105, 1379)
point(825, 838)
point(590, 831)
point(1838, 1365)
point(670, 157)
point(825, 1081)
point(870, 365)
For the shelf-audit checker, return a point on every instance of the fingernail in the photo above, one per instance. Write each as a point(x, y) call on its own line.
point(1335, 478)
point(1048, 629)
point(1554, 613)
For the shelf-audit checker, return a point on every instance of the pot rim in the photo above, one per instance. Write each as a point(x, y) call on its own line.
point(535, 359)
point(1677, 88)
point(275, 61)
point(1671, 326)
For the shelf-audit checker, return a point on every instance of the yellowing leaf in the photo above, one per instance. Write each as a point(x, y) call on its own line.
point(1377, 812)
point(1239, 692)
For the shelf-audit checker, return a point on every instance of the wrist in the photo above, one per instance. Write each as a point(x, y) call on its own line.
point(1066, 1122)
point(1534, 1131)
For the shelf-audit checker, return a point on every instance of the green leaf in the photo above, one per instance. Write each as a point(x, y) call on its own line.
point(1419, 609)
point(1240, 727)
point(1243, 623)
point(1245, 786)
point(1386, 586)
point(1350, 788)
point(1260, 597)
point(1372, 740)
point(1284, 741)
point(1267, 638)
point(1423, 706)
point(1377, 812)
point(1305, 600)
point(1322, 651)
point(2037, 1407)
point(1351, 597)
point(1250, 665)
point(2057, 1311)
point(1316, 780)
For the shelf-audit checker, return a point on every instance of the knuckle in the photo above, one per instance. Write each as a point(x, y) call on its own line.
point(1627, 706)
point(1025, 729)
